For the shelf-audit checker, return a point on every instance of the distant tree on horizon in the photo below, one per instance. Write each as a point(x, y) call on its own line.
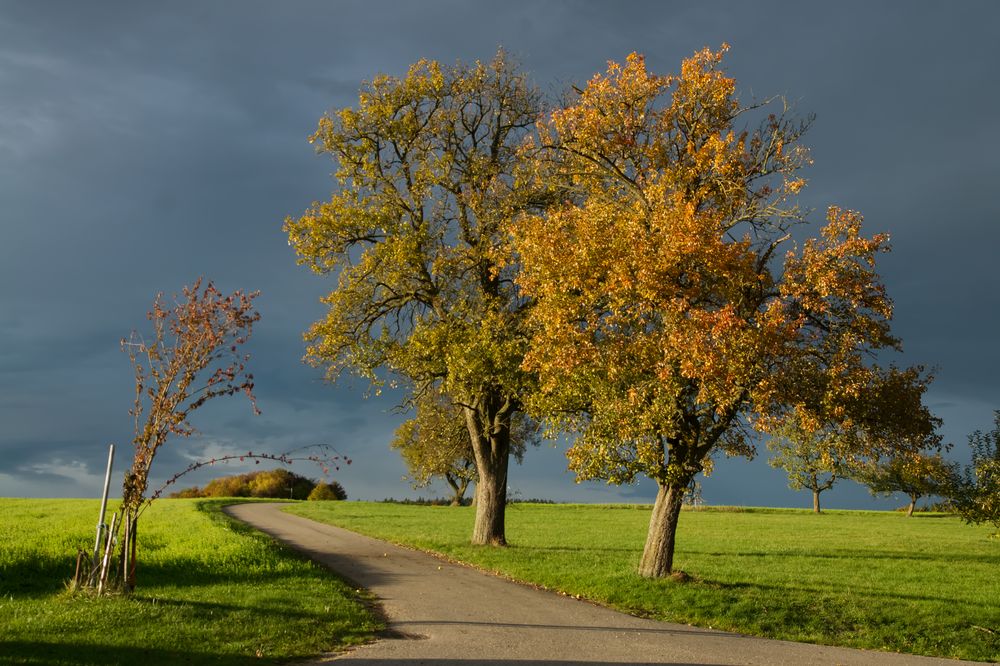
point(435, 443)
point(807, 462)
point(916, 475)
point(327, 492)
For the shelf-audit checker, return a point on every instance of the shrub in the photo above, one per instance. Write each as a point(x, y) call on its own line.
point(328, 491)
point(276, 483)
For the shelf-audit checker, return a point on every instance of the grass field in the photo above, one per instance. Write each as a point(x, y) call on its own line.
point(926, 585)
point(210, 591)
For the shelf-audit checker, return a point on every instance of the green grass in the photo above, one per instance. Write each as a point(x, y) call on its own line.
point(926, 585)
point(210, 591)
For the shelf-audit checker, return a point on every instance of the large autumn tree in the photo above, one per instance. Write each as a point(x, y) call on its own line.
point(670, 319)
point(426, 166)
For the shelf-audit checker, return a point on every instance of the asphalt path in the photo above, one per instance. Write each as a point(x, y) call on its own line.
point(453, 615)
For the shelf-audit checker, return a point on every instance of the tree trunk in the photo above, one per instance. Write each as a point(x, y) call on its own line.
point(133, 539)
point(816, 508)
point(913, 505)
point(458, 488)
point(491, 503)
point(658, 554)
point(127, 562)
point(489, 429)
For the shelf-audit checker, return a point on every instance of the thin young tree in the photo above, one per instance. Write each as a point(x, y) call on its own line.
point(670, 321)
point(194, 354)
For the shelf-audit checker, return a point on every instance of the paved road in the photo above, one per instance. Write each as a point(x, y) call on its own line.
point(452, 615)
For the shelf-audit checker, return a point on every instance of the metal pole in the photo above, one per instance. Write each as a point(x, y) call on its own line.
point(104, 505)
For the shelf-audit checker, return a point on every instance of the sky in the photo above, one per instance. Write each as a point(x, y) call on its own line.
point(143, 145)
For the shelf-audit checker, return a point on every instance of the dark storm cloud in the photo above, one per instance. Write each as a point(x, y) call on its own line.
point(143, 145)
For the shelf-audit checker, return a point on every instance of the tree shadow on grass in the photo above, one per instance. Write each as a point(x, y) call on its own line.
point(834, 589)
point(31, 648)
point(36, 575)
point(287, 609)
point(40, 575)
point(37, 652)
point(586, 548)
point(847, 554)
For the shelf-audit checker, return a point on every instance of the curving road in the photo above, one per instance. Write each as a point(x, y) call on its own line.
point(452, 615)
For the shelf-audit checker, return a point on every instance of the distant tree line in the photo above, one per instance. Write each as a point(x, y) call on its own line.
point(275, 483)
point(971, 490)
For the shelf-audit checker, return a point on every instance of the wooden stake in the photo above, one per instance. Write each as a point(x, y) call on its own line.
point(107, 554)
point(79, 563)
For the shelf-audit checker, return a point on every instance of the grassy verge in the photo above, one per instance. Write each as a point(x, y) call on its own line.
point(925, 585)
point(210, 591)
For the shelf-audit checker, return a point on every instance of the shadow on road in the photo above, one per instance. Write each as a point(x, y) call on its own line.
point(350, 661)
point(42, 652)
point(405, 627)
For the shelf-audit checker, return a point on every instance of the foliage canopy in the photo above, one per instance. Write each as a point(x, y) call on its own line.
point(668, 323)
point(977, 494)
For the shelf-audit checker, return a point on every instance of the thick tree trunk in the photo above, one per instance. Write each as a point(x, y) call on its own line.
point(489, 428)
point(658, 554)
point(816, 508)
point(491, 504)
point(913, 505)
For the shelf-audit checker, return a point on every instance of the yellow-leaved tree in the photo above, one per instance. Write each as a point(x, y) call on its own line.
point(669, 323)
point(426, 171)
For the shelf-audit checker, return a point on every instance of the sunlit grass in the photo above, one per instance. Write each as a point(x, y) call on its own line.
point(210, 591)
point(926, 585)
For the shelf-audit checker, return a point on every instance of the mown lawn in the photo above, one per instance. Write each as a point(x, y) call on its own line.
point(926, 585)
point(210, 591)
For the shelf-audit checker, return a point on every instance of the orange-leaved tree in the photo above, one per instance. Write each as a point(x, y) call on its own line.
point(193, 355)
point(668, 323)
point(426, 171)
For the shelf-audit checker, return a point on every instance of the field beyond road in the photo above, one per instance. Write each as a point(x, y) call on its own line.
point(210, 591)
point(878, 580)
